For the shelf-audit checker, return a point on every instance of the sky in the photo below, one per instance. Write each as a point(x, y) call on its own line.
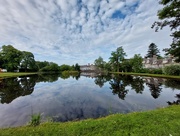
point(79, 31)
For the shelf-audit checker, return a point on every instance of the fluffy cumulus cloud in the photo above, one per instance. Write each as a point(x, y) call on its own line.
point(79, 31)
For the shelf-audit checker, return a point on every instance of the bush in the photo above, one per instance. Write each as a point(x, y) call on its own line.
point(156, 71)
point(145, 70)
point(152, 71)
point(172, 70)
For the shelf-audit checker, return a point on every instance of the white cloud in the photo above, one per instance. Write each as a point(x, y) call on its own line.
point(79, 31)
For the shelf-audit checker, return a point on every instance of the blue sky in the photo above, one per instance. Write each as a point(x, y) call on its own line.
point(79, 31)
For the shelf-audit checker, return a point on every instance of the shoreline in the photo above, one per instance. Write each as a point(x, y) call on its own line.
point(160, 121)
point(15, 74)
point(147, 75)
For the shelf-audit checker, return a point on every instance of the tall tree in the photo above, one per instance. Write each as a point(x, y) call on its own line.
point(11, 57)
point(117, 57)
point(77, 67)
point(153, 50)
point(99, 62)
point(136, 62)
point(170, 16)
point(28, 61)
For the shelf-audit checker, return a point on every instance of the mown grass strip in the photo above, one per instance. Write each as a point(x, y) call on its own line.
point(159, 122)
point(14, 74)
point(146, 74)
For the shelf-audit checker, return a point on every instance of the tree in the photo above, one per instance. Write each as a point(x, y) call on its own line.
point(126, 65)
point(51, 67)
point(28, 62)
point(64, 67)
point(77, 67)
point(170, 16)
point(99, 62)
point(117, 57)
point(10, 57)
point(41, 65)
point(153, 50)
point(107, 66)
point(136, 62)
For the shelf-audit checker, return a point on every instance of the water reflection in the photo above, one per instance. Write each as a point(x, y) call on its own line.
point(119, 84)
point(154, 85)
point(176, 102)
point(15, 87)
point(64, 97)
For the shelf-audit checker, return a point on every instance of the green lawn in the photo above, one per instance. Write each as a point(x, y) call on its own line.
point(159, 122)
point(14, 74)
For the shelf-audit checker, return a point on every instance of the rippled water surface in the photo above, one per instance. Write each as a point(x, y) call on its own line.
point(63, 98)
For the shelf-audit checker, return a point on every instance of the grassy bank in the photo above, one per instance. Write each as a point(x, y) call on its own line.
point(159, 122)
point(13, 74)
point(146, 74)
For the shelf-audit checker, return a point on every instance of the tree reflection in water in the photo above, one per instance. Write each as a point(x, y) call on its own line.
point(175, 102)
point(118, 86)
point(101, 80)
point(12, 88)
point(137, 84)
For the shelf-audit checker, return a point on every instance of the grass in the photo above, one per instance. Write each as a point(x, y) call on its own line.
point(146, 74)
point(14, 74)
point(35, 119)
point(159, 122)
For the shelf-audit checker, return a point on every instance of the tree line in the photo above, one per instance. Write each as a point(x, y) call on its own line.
point(13, 59)
point(118, 63)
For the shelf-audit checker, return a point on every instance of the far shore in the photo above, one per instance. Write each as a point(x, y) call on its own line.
point(146, 74)
point(16, 74)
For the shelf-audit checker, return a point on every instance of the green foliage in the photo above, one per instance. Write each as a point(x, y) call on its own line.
point(144, 70)
point(41, 64)
point(35, 119)
point(65, 67)
point(107, 66)
point(153, 50)
point(170, 16)
point(49, 67)
point(136, 62)
point(152, 71)
point(116, 58)
point(156, 71)
point(28, 62)
point(172, 70)
point(10, 57)
point(99, 62)
point(126, 66)
point(77, 67)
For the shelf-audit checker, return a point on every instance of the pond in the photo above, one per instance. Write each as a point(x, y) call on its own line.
point(65, 98)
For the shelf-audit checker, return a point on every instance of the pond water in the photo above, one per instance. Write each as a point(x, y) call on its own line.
point(66, 98)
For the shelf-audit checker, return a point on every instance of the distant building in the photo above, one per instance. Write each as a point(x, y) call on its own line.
point(158, 63)
point(89, 67)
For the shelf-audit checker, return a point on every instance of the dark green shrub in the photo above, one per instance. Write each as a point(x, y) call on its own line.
point(172, 70)
point(144, 70)
point(152, 71)
point(156, 71)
